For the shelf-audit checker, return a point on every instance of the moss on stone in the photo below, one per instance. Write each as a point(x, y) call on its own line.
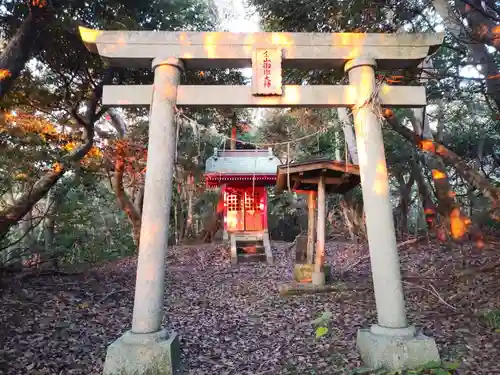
point(151, 358)
point(158, 366)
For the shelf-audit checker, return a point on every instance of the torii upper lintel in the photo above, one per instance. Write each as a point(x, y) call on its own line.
point(207, 50)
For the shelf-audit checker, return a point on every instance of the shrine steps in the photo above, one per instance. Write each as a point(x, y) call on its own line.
point(250, 247)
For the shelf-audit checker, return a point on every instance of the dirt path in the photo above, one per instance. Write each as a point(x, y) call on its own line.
point(232, 320)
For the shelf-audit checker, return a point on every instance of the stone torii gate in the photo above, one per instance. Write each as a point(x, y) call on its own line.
point(147, 348)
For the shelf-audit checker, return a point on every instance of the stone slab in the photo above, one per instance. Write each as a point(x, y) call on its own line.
point(395, 352)
point(144, 354)
point(233, 248)
point(222, 50)
point(302, 288)
point(301, 249)
point(267, 248)
point(239, 96)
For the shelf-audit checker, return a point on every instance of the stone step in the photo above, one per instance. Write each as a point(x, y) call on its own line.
point(259, 248)
point(257, 236)
point(260, 257)
point(251, 249)
point(250, 244)
point(255, 250)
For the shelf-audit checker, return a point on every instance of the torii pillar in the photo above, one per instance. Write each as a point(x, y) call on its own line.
point(392, 342)
point(148, 348)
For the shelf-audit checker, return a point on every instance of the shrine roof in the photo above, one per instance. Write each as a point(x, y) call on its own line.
point(340, 177)
point(216, 179)
point(206, 50)
point(242, 163)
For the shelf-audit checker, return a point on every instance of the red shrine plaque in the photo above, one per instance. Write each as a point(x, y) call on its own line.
point(266, 67)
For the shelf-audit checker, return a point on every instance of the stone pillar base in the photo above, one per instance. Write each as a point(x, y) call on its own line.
point(267, 247)
point(233, 249)
point(318, 278)
point(136, 354)
point(395, 352)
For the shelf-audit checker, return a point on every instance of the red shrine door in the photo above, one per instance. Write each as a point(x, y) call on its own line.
point(245, 209)
point(233, 199)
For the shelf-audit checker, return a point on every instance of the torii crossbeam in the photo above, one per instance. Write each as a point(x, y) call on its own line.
point(234, 96)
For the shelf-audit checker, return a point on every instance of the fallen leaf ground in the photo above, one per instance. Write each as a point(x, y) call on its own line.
point(231, 320)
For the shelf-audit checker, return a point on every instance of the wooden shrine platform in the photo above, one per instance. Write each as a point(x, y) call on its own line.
point(340, 177)
point(316, 178)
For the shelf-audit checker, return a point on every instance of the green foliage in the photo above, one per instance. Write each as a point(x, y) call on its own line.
point(90, 227)
point(460, 113)
point(286, 219)
point(492, 319)
point(321, 331)
point(62, 74)
point(288, 211)
point(434, 368)
point(322, 324)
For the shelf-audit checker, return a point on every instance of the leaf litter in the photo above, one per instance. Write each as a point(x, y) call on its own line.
point(232, 321)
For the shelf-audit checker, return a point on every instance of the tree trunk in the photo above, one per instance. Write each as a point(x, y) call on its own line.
point(139, 198)
point(485, 31)
point(403, 208)
point(49, 225)
point(52, 202)
point(451, 159)
point(27, 228)
point(448, 208)
point(20, 48)
point(482, 30)
point(430, 209)
point(131, 206)
point(459, 223)
point(11, 215)
point(181, 221)
point(349, 136)
point(476, 165)
point(176, 223)
point(190, 231)
point(54, 199)
point(352, 212)
point(133, 214)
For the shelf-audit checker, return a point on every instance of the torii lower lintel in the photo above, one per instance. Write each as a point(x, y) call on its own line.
point(314, 96)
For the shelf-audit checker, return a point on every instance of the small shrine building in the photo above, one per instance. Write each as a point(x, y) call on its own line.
point(242, 175)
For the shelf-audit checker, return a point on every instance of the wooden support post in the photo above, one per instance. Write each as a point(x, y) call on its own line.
point(233, 133)
point(311, 206)
point(318, 275)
